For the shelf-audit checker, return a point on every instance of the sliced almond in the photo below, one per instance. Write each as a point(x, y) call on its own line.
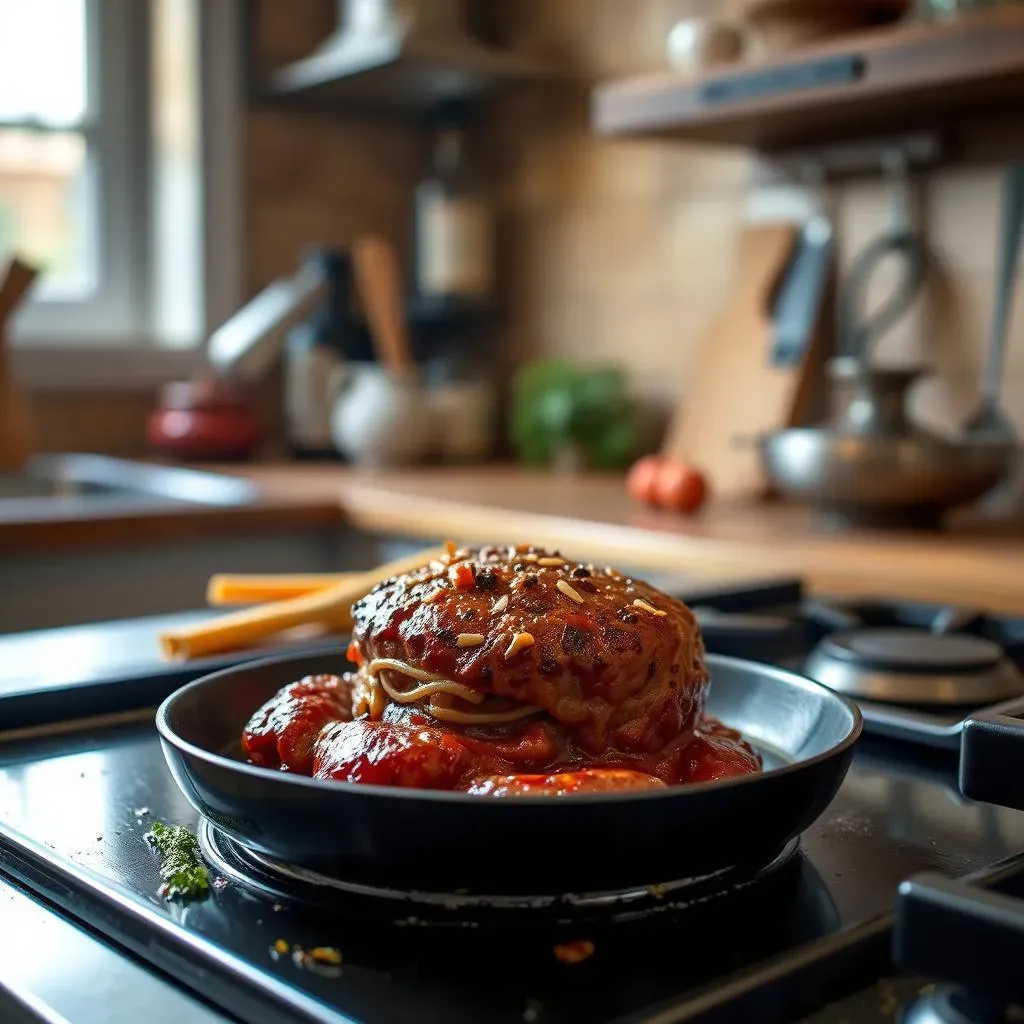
point(501, 604)
point(640, 603)
point(470, 639)
point(531, 558)
point(519, 643)
point(568, 591)
point(551, 561)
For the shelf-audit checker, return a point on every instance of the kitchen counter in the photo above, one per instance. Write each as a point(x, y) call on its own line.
point(592, 517)
point(589, 516)
point(70, 524)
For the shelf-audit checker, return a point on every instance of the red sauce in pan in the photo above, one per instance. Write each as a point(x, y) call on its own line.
point(307, 728)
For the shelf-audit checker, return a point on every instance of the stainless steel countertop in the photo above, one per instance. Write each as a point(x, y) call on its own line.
point(54, 971)
point(73, 654)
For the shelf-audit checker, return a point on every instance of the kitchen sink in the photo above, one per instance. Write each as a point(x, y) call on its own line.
point(55, 482)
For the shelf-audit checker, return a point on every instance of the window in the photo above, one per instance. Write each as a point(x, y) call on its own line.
point(69, 181)
point(118, 121)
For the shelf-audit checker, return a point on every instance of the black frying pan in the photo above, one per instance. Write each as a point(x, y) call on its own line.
point(422, 839)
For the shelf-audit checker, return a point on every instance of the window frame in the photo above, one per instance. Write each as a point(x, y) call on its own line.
point(114, 337)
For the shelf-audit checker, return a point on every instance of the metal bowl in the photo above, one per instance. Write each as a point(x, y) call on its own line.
point(872, 480)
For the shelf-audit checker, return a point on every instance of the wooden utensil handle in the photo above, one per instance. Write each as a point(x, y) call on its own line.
point(231, 588)
point(379, 285)
point(14, 283)
point(330, 607)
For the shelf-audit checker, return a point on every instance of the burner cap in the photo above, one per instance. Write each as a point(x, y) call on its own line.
point(913, 650)
point(913, 666)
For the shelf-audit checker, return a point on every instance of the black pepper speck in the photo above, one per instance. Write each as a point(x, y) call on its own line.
point(575, 640)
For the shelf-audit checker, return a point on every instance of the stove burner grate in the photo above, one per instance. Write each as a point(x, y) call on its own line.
point(913, 666)
point(291, 883)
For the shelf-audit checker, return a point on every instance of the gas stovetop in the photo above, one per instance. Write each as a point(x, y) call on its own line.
point(917, 671)
point(808, 937)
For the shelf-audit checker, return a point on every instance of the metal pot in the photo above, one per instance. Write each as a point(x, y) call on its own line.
point(872, 465)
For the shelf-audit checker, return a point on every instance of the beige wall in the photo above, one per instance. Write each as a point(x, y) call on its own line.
point(623, 250)
point(610, 250)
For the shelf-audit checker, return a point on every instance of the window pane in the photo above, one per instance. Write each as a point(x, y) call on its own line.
point(42, 61)
point(45, 193)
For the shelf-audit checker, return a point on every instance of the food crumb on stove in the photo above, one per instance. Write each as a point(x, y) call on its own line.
point(532, 1011)
point(574, 952)
point(277, 906)
point(183, 874)
point(325, 960)
point(326, 955)
point(141, 812)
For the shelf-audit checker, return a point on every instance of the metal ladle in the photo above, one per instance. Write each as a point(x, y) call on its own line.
point(989, 422)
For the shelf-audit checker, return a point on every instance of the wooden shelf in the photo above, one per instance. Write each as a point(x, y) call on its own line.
point(917, 76)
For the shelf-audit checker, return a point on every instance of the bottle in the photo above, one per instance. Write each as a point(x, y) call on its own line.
point(314, 355)
point(454, 259)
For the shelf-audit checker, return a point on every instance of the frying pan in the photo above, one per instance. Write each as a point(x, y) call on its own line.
point(442, 841)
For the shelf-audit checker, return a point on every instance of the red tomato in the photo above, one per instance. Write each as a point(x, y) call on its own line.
point(680, 487)
point(640, 482)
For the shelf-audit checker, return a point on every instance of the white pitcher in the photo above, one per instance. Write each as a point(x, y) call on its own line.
point(380, 416)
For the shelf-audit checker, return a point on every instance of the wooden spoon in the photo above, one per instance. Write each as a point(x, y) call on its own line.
point(380, 289)
point(16, 430)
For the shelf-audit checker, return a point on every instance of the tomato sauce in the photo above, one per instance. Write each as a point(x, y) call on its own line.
point(307, 728)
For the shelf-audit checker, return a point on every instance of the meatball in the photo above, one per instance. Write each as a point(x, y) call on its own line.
point(282, 732)
point(614, 661)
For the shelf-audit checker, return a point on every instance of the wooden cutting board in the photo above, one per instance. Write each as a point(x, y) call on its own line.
point(733, 393)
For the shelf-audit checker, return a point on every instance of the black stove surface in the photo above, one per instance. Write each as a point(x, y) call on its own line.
point(75, 808)
point(778, 622)
point(809, 939)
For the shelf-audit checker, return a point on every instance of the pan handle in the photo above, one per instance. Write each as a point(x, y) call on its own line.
point(992, 755)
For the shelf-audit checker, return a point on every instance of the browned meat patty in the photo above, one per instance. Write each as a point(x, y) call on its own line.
point(618, 663)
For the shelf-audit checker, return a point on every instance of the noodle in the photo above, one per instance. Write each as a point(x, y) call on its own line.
point(432, 685)
point(482, 718)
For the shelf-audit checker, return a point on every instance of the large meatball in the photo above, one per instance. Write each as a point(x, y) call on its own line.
point(618, 663)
